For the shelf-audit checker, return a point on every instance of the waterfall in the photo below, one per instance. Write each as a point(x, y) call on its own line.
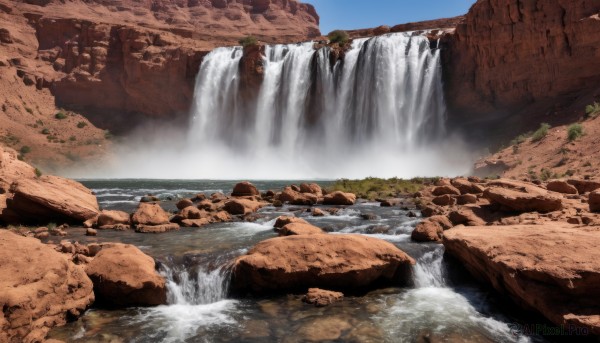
point(386, 90)
point(203, 287)
point(429, 272)
point(378, 110)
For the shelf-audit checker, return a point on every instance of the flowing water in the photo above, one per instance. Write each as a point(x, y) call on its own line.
point(440, 306)
point(378, 112)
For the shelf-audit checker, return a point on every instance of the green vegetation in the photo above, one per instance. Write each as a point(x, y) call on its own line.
point(372, 188)
point(248, 41)
point(338, 36)
point(25, 150)
point(81, 125)
point(545, 174)
point(60, 115)
point(72, 138)
point(45, 132)
point(38, 173)
point(593, 110)
point(574, 131)
point(29, 110)
point(540, 133)
point(520, 139)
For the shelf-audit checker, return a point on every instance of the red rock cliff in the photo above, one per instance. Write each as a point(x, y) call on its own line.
point(123, 61)
point(510, 54)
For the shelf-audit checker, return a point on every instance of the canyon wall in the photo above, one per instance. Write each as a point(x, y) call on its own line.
point(508, 55)
point(122, 62)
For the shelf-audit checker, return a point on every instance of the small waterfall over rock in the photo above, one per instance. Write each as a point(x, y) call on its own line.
point(429, 271)
point(203, 287)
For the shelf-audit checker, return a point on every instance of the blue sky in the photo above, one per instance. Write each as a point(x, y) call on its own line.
point(359, 14)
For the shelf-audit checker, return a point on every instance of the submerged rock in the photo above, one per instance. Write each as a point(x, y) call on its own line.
point(107, 218)
point(124, 276)
point(242, 206)
point(320, 297)
point(39, 289)
point(552, 268)
point(335, 262)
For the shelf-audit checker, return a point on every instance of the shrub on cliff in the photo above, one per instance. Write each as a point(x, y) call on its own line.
point(541, 132)
point(574, 131)
point(248, 41)
point(60, 115)
point(593, 110)
point(338, 36)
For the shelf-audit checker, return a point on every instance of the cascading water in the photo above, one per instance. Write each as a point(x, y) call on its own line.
point(379, 111)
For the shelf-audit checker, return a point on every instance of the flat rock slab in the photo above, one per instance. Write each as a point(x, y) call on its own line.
point(336, 262)
point(552, 268)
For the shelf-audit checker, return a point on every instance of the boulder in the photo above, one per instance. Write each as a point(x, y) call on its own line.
point(339, 198)
point(243, 189)
point(192, 212)
point(561, 187)
point(161, 228)
point(427, 231)
point(584, 186)
point(150, 214)
point(51, 198)
point(466, 199)
point(320, 297)
point(285, 220)
point(195, 222)
point(391, 202)
point(39, 288)
point(293, 197)
point(552, 268)
point(466, 187)
point(444, 200)
point(594, 201)
point(445, 190)
point(91, 232)
point(334, 262)
point(523, 201)
point(113, 218)
point(183, 203)
point(292, 229)
point(242, 206)
point(311, 188)
point(317, 212)
point(466, 216)
point(124, 276)
point(521, 196)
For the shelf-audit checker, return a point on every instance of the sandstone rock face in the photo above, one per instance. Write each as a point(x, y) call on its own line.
point(325, 261)
point(141, 58)
point(339, 198)
point(530, 263)
point(561, 187)
point(150, 214)
point(594, 201)
point(321, 297)
point(39, 289)
point(507, 54)
point(293, 229)
point(52, 198)
point(427, 231)
point(522, 197)
point(124, 276)
point(244, 189)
